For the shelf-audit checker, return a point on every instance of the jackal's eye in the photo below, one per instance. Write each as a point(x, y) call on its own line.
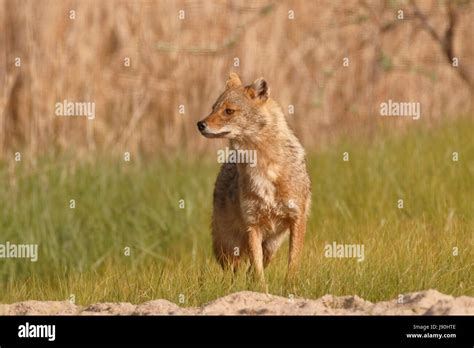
point(229, 111)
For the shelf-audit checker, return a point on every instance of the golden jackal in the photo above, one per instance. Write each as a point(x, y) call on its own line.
point(255, 204)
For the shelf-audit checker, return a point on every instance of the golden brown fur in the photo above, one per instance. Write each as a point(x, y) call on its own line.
point(255, 206)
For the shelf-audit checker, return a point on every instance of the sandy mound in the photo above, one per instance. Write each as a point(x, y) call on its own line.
point(429, 302)
point(39, 308)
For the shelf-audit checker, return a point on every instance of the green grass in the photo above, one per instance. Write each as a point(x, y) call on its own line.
point(136, 204)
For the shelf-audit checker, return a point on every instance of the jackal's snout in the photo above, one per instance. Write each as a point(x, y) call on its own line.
point(201, 126)
point(210, 131)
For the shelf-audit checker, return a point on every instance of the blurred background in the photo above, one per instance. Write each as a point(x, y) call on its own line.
point(140, 60)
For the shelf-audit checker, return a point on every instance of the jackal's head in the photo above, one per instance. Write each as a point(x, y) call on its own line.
point(238, 112)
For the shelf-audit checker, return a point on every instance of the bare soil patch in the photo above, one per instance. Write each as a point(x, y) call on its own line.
point(428, 302)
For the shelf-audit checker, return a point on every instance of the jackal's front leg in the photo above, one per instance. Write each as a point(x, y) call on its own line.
point(297, 232)
point(256, 252)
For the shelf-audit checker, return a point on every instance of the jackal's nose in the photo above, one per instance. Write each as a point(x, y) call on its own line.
point(201, 125)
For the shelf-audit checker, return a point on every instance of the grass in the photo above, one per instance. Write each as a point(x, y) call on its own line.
point(136, 204)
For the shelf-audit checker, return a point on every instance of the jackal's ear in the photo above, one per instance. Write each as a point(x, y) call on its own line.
point(233, 81)
point(258, 89)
